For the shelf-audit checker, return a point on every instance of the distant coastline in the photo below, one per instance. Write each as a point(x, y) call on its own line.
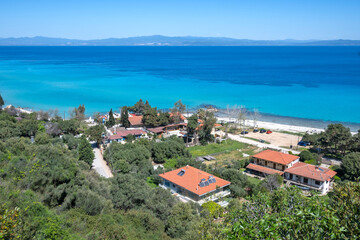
point(159, 40)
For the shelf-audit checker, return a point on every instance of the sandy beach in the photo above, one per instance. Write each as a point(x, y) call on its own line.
point(275, 126)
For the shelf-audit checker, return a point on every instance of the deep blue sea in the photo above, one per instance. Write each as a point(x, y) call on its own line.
point(306, 82)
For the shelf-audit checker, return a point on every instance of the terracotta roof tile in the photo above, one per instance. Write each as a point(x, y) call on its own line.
point(156, 130)
point(191, 179)
point(263, 169)
point(135, 120)
point(124, 133)
point(311, 171)
point(277, 157)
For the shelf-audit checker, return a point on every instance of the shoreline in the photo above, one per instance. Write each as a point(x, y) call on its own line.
point(274, 122)
point(275, 126)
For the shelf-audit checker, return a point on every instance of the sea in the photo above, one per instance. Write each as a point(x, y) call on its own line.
point(309, 85)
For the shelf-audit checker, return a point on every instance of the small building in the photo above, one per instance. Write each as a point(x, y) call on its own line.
point(120, 136)
point(270, 162)
point(306, 176)
point(191, 184)
point(135, 121)
point(311, 176)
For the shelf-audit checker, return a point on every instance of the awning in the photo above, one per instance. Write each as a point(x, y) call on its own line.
point(263, 169)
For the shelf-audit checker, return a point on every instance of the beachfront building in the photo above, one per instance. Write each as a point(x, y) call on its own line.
point(120, 136)
point(191, 184)
point(310, 176)
point(306, 176)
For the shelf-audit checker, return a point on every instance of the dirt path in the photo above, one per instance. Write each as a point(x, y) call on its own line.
point(100, 165)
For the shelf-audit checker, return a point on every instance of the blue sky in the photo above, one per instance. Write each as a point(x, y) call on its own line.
point(252, 19)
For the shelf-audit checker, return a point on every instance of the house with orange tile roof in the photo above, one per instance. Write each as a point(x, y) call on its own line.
point(305, 175)
point(135, 120)
point(315, 177)
point(191, 184)
point(120, 136)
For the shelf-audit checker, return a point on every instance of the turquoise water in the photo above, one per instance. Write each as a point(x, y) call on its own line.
point(306, 82)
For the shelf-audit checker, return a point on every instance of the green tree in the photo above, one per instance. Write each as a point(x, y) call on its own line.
point(129, 192)
point(86, 153)
point(213, 209)
point(9, 222)
point(150, 118)
point(124, 119)
point(111, 121)
point(345, 202)
point(139, 107)
point(192, 124)
point(177, 110)
point(1, 102)
point(180, 220)
point(337, 137)
point(306, 155)
point(351, 166)
point(272, 182)
point(95, 133)
point(205, 131)
point(70, 126)
point(78, 113)
point(42, 138)
point(130, 138)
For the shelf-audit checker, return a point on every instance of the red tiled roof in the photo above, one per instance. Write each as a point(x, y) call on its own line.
point(156, 130)
point(191, 179)
point(135, 120)
point(277, 157)
point(175, 124)
point(124, 133)
point(217, 125)
point(311, 171)
point(263, 169)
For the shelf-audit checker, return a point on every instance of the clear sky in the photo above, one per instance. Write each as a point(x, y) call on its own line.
point(252, 19)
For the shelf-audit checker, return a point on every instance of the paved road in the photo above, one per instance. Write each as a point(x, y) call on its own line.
point(259, 144)
point(100, 165)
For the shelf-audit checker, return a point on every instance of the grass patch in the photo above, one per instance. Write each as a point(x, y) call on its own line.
point(312, 161)
point(292, 133)
point(233, 155)
point(258, 140)
point(150, 182)
point(225, 146)
point(170, 163)
point(253, 180)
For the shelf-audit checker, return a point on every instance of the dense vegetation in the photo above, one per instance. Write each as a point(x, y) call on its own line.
point(48, 191)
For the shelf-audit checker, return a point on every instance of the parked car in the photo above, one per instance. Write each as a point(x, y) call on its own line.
point(244, 132)
point(268, 131)
point(303, 143)
point(255, 130)
point(262, 131)
point(262, 141)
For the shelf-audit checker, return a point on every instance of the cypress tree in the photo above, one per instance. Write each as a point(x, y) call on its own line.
point(111, 119)
point(85, 151)
point(1, 102)
point(125, 117)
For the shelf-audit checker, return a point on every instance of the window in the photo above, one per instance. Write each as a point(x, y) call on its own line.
point(291, 176)
point(305, 180)
point(167, 184)
point(317, 182)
